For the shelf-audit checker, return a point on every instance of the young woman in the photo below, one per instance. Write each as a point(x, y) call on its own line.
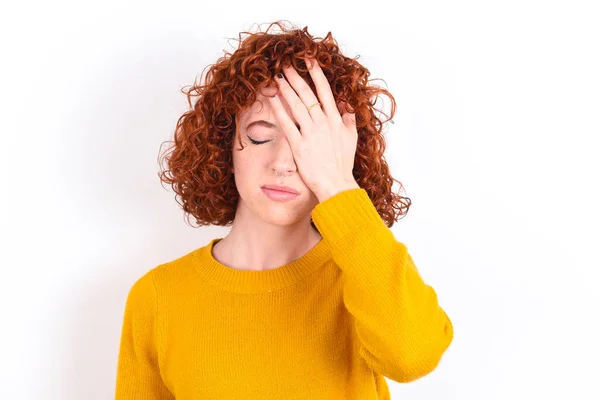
point(309, 296)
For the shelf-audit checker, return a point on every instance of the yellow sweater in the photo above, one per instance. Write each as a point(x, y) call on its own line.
point(328, 325)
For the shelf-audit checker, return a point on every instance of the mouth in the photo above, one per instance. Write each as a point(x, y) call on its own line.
point(282, 189)
point(279, 195)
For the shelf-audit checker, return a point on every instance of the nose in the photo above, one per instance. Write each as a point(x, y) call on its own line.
point(283, 157)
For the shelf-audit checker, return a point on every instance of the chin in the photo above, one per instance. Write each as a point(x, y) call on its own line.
point(286, 213)
point(282, 218)
point(280, 213)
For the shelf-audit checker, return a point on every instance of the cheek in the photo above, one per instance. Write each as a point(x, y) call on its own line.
point(248, 164)
point(251, 158)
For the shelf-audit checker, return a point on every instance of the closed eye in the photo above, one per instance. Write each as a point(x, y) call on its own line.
point(256, 141)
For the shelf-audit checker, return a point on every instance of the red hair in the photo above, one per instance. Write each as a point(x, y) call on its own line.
point(199, 163)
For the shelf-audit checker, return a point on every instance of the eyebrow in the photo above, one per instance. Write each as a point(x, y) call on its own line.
point(263, 123)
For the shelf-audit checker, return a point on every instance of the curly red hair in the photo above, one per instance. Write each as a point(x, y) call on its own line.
point(199, 163)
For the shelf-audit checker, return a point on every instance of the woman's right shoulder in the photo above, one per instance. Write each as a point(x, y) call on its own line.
point(174, 272)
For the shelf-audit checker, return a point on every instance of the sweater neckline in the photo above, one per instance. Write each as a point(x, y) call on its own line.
point(249, 281)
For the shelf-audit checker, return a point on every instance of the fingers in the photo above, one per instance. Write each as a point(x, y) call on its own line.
point(296, 104)
point(305, 94)
point(299, 96)
point(287, 125)
point(348, 117)
point(323, 89)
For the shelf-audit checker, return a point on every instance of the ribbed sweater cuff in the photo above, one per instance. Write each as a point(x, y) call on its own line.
point(344, 213)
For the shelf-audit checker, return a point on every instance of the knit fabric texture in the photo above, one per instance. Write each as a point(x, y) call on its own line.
point(329, 325)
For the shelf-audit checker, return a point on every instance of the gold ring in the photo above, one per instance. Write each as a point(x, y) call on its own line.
point(316, 104)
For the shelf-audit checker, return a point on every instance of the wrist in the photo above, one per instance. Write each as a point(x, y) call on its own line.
point(335, 189)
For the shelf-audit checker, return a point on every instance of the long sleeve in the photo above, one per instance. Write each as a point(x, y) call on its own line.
point(138, 375)
point(402, 329)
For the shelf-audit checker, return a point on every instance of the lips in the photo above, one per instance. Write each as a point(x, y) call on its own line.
point(278, 195)
point(281, 189)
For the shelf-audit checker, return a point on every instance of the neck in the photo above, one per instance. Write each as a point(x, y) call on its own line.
point(262, 246)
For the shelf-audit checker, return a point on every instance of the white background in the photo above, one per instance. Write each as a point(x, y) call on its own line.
point(495, 141)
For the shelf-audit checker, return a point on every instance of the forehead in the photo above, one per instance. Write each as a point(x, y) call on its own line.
point(262, 109)
point(262, 114)
point(262, 105)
